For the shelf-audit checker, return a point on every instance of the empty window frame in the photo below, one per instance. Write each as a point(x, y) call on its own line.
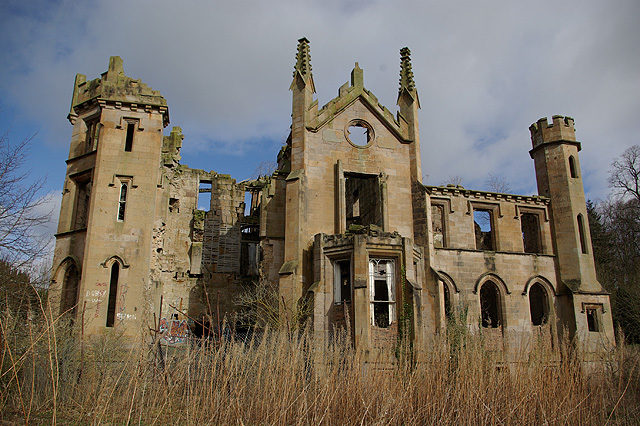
point(91, 137)
point(249, 250)
point(530, 226)
point(342, 281)
point(113, 294)
point(122, 201)
point(131, 129)
point(573, 169)
point(484, 229)
point(204, 195)
point(70, 291)
point(447, 300)
point(490, 305)
point(363, 200)
point(583, 242)
point(593, 319)
point(382, 291)
point(538, 304)
point(438, 225)
point(83, 197)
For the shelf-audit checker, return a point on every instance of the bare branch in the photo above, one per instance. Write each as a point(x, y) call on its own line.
point(624, 176)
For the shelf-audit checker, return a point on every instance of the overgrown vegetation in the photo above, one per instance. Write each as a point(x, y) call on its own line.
point(49, 375)
point(615, 236)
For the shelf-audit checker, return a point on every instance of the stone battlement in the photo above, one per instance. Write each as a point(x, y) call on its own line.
point(562, 128)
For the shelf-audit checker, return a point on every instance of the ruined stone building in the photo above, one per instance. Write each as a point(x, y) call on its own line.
point(344, 224)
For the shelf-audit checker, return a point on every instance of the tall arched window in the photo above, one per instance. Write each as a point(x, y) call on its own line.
point(113, 294)
point(538, 304)
point(583, 242)
point(573, 170)
point(70, 291)
point(447, 300)
point(122, 202)
point(490, 305)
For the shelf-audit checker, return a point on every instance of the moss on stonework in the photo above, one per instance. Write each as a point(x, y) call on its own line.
point(198, 218)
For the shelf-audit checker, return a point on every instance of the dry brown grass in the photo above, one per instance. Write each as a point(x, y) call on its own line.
point(279, 379)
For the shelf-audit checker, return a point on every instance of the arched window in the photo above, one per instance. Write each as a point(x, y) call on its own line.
point(447, 300)
point(573, 170)
point(70, 291)
point(113, 294)
point(490, 305)
point(583, 242)
point(538, 304)
point(122, 202)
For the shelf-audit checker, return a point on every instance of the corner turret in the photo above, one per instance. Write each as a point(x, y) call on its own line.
point(555, 153)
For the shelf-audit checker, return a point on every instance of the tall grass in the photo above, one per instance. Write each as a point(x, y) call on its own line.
point(47, 376)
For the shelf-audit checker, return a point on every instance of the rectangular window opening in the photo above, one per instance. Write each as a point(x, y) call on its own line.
point(583, 241)
point(91, 138)
point(592, 319)
point(530, 226)
point(342, 281)
point(382, 290)
point(174, 205)
point(249, 250)
point(204, 196)
point(128, 145)
point(483, 228)
point(83, 196)
point(363, 200)
point(437, 224)
point(122, 200)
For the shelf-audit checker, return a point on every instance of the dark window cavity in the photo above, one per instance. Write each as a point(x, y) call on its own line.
point(128, 144)
point(490, 305)
point(174, 205)
point(583, 242)
point(342, 281)
point(122, 202)
point(538, 304)
point(572, 167)
point(363, 200)
point(530, 226)
point(83, 196)
point(592, 319)
point(483, 228)
point(447, 300)
point(70, 291)
point(249, 250)
point(113, 294)
point(91, 137)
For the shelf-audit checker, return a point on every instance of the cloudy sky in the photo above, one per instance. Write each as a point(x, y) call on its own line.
point(485, 70)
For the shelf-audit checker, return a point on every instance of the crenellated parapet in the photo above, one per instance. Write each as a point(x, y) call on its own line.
point(116, 90)
point(561, 129)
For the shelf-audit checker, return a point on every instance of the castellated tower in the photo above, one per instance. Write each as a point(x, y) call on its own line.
point(110, 194)
point(555, 153)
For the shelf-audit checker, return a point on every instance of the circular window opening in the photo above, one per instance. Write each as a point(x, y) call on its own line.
point(359, 133)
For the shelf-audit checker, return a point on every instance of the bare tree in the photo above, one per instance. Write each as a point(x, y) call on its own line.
point(497, 183)
point(20, 206)
point(624, 176)
point(453, 180)
point(265, 168)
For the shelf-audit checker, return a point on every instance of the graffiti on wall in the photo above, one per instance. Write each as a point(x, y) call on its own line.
point(173, 331)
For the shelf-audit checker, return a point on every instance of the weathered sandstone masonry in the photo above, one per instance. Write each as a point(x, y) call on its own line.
point(344, 229)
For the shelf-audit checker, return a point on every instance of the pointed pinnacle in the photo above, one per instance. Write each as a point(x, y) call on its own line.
point(406, 74)
point(303, 58)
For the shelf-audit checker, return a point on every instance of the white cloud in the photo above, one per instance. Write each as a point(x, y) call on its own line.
point(484, 70)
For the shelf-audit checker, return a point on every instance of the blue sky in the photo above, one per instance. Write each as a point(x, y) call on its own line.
point(484, 72)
